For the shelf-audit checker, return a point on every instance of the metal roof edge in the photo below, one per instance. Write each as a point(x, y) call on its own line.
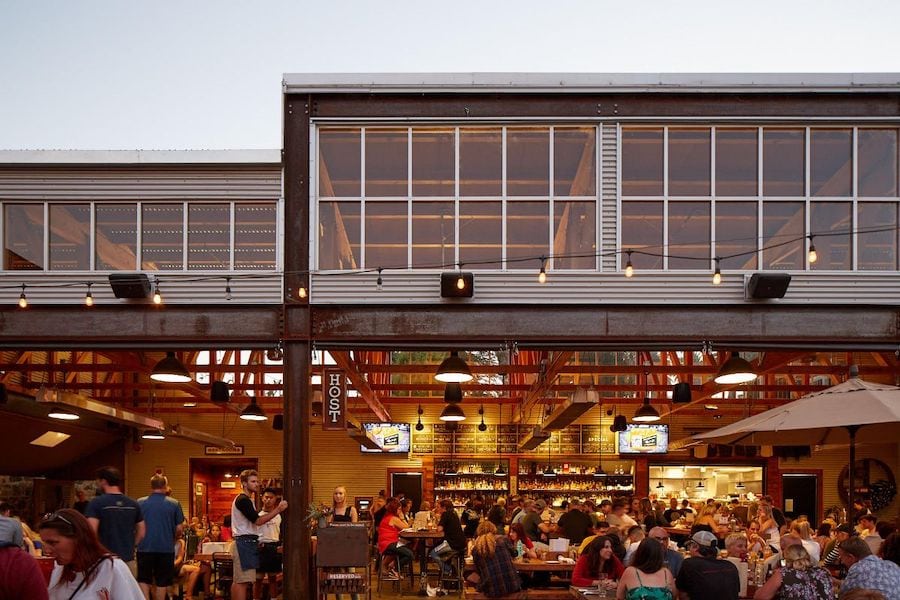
point(140, 157)
point(588, 82)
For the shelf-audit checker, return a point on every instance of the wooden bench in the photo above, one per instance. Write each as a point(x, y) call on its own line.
point(530, 594)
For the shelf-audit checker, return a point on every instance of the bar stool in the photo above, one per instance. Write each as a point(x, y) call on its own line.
point(458, 562)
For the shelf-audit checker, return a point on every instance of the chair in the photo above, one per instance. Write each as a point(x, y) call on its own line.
point(383, 572)
point(223, 573)
point(458, 562)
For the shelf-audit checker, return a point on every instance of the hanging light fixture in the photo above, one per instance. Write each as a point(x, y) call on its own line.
point(452, 396)
point(717, 275)
point(482, 426)
point(62, 414)
point(453, 369)
point(170, 370)
point(419, 426)
point(500, 472)
point(253, 411)
point(660, 485)
point(646, 413)
point(23, 300)
point(549, 472)
point(619, 424)
point(740, 485)
point(700, 485)
point(89, 297)
point(542, 275)
point(735, 370)
point(629, 268)
point(153, 434)
point(812, 256)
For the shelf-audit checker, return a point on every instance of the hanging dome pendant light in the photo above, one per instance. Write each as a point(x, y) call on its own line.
point(453, 370)
point(735, 370)
point(253, 412)
point(170, 370)
point(646, 413)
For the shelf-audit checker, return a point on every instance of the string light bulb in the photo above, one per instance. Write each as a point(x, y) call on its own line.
point(89, 297)
point(717, 276)
point(460, 280)
point(302, 292)
point(812, 256)
point(23, 301)
point(157, 297)
point(228, 295)
point(379, 283)
point(542, 275)
point(629, 268)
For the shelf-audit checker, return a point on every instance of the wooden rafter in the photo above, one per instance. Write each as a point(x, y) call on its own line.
point(343, 360)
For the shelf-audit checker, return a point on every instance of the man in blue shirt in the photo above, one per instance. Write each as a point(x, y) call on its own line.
point(163, 521)
point(868, 572)
point(115, 517)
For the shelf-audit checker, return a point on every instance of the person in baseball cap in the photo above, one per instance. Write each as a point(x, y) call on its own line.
point(703, 576)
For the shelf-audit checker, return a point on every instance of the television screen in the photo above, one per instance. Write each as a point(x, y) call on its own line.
point(390, 437)
point(644, 439)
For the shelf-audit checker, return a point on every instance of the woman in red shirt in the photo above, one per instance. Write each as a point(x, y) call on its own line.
point(597, 562)
point(389, 534)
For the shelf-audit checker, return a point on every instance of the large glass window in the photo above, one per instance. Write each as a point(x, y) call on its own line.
point(689, 162)
point(339, 235)
point(339, 162)
point(737, 162)
point(255, 236)
point(386, 162)
point(480, 234)
point(528, 161)
point(878, 236)
point(834, 221)
point(209, 237)
point(830, 162)
point(162, 237)
point(433, 162)
point(783, 162)
point(574, 235)
point(736, 234)
point(23, 236)
point(642, 232)
point(574, 161)
point(527, 233)
point(689, 233)
point(70, 237)
point(877, 162)
point(642, 162)
point(783, 243)
point(480, 162)
point(433, 233)
point(115, 243)
point(386, 234)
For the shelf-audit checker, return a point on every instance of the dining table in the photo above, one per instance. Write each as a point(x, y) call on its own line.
point(591, 592)
point(423, 536)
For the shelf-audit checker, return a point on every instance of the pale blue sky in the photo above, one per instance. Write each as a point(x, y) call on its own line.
point(159, 74)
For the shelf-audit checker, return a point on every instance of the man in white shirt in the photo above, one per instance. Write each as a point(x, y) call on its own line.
point(618, 518)
point(270, 564)
point(245, 524)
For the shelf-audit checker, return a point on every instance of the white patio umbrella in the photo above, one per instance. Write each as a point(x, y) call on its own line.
point(831, 416)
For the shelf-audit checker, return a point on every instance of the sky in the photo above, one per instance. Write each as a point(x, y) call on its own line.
point(206, 74)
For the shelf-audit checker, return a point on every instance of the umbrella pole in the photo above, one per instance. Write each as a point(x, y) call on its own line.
point(851, 429)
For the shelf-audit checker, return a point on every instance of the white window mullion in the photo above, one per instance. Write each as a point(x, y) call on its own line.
point(92, 238)
point(231, 231)
point(854, 203)
point(551, 191)
point(46, 249)
point(808, 208)
point(184, 236)
point(409, 202)
point(619, 196)
point(712, 192)
point(138, 256)
point(2, 231)
point(362, 198)
point(503, 265)
point(665, 215)
point(456, 204)
point(598, 197)
point(759, 198)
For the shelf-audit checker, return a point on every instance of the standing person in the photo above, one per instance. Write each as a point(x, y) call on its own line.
point(597, 562)
point(270, 564)
point(497, 514)
point(84, 569)
point(647, 578)
point(116, 518)
point(575, 524)
point(245, 523)
point(471, 517)
point(20, 576)
point(703, 576)
point(492, 556)
point(163, 523)
point(449, 525)
point(81, 501)
point(798, 579)
point(617, 516)
point(10, 527)
point(341, 511)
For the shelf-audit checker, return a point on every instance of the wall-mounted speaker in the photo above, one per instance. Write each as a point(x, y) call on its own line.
point(219, 392)
point(450, 285)
point(681, 393)
point(767, 286)
point(278, 422)
point(130, 285)
point(3, 395)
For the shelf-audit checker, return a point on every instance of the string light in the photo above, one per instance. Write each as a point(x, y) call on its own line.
point(89, 297)
point(629, 268)
point(460, 280)
point(542, 276)
point(302, 292)
point(813, 256)
point(228, 295)
point(379, 283)
point(717, 276)
point(23, 301)
point(157, 297)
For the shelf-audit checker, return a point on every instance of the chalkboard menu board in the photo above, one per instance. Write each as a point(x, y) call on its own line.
point(444, 438)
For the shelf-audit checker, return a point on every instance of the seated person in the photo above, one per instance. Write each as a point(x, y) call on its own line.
point(492, 556)
point(185, 571)
point(524, 546)
point(597, 562)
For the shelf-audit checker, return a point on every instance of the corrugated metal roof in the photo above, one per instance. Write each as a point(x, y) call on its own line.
point(588, 82)
point(140, 157)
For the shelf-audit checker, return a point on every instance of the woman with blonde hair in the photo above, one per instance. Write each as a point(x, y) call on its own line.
point(768, 527)
point(803, 531)
point(798, 579)
point(492, 556)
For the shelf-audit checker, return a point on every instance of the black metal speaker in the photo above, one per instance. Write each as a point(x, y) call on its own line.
point(129, 285)
point(3, 395)
point(219, 392)
point(681, 393)
point(278, 422)
point(450, 285)
point(766, 286)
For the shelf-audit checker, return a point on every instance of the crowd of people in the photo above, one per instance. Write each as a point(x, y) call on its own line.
point(120, 548)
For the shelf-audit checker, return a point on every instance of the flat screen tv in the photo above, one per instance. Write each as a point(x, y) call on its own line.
point(391, 438)
point(644, 439)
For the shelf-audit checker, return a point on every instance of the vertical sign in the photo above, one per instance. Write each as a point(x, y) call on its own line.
point(335, 417)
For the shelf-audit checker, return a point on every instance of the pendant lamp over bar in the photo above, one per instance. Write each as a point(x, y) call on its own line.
point(153, 434)
point(453, 370)
point(735, 370)
point(549, 472)
point(253, 412)
point(452, 412)
point(170, 370)
point(646, 413)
